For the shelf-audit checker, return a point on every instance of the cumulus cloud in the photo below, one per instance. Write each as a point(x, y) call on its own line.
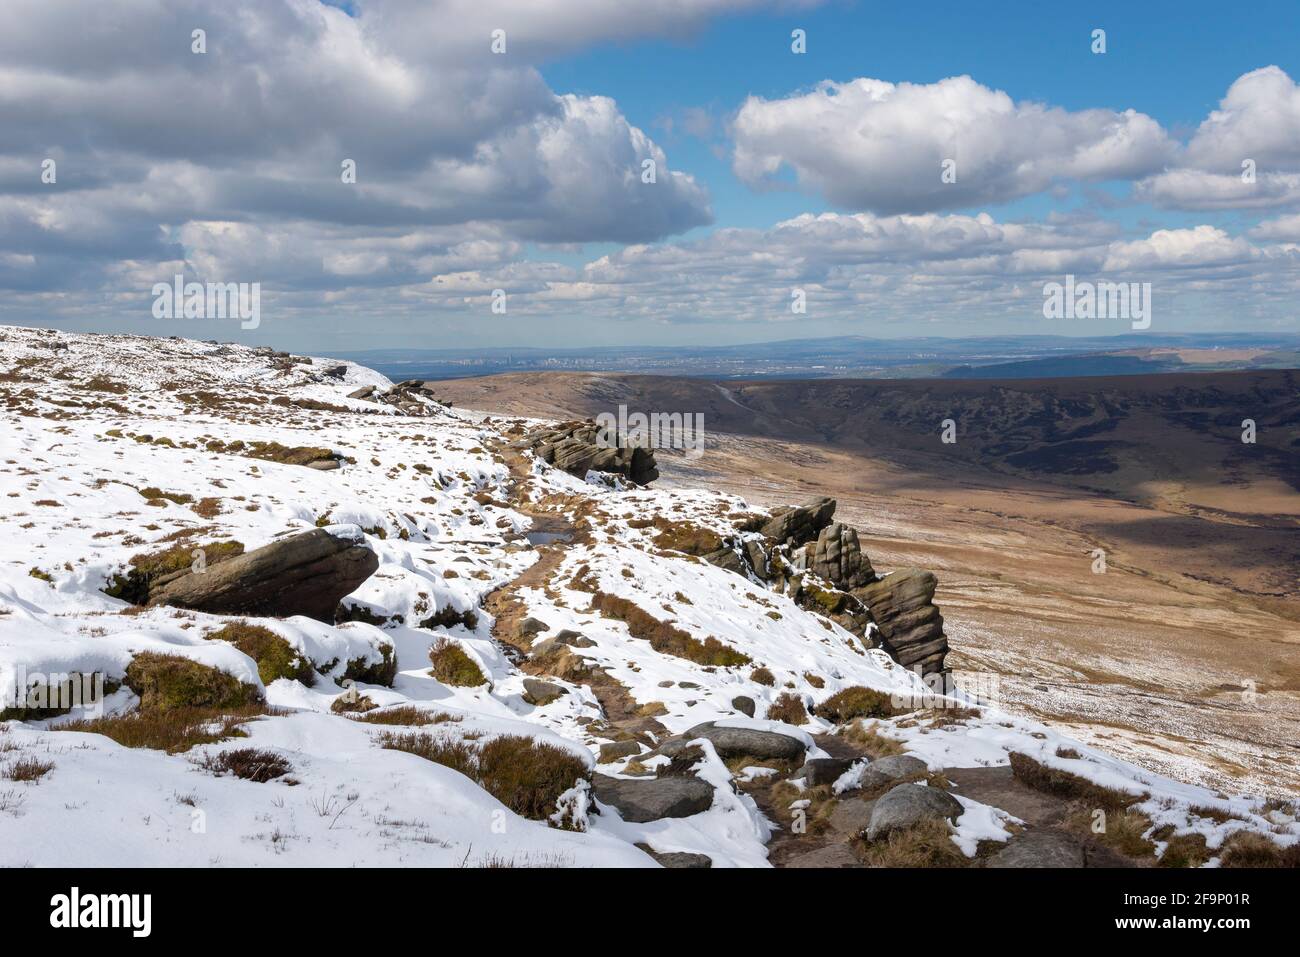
point(879, 146)
point(153, 142)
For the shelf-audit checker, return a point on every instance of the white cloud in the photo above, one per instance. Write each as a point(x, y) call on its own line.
point(868, 144)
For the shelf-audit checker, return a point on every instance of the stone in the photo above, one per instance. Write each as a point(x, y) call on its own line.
point(1039, 849)
point(539, 692)
point(580, 447)
point(365, 392)
point(909, 626)
point(850, 817)
point(818, 771)
point(891, 769)
point(837, 556)
point(640, 800)
point(744, 704)
point(799, 524)
point(678, 859)
point(530, 627)
point(908, 805)
point(748, 742)
point(306, 574)
point(612, 751)
point(830, 856)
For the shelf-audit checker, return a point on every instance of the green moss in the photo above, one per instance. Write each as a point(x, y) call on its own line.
point(37, 573)
point(145, 569)
point(275, 657)
point(153, 493)
point(452, 666)
point(168, 682)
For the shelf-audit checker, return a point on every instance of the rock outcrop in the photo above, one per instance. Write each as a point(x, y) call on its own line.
point(307, 574)
point(576, 448)
point(910, 628)
point(799, 524)
point(837, 556)
point(748, 742)
point(648, 799)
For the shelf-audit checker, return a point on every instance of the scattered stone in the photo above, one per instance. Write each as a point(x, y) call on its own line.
point(538, 692)
point(744, 704)
point(678, 859)
point(612, 751)
point(641, 800)
point(748, 742)
point(817, 771)
point(1039, 849)
point(908, 805)
point(891, 769)
point(529, 628)
point(306, 574)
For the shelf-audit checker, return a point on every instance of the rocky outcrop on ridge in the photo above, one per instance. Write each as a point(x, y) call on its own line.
point(576, 448)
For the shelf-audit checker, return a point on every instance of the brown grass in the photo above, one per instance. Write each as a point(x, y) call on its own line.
point(1123, 830)
point(171, 731)
point(1248, 849)
point(928, 844)
point(762, 676)
point(250, 764)
point(26, 769)
point(685, 537)
point(871, 741)
point(856, 702)
point(409, 716)
point(788, 708)
point(664, 637)
point(1069, 786)
point(1182, 850)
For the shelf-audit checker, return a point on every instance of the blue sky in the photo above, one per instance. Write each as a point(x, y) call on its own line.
point(512, 180)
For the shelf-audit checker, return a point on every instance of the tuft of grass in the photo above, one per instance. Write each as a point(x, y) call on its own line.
point(685, 537)
point(409, 716)
point(788, 708)
point(1182, 850)
point(871, 741)
point(250, 764)
point(453, 666)
point(526, 776)
point(168, 682)
point(762, 676)
point(171, 731)
point(26, 769)
point(1249, 849)
point(275, 657)
point(664, 637)
point(37, 573)
point(928, 844)
point(856, 702)
point(1069, 786)
point(1123, 831)
point(348, 704)
point(153, 494)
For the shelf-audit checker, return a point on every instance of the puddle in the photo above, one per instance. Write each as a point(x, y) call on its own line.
point(546, 538)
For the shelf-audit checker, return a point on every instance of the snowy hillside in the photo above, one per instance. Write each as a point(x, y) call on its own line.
point(511, 600)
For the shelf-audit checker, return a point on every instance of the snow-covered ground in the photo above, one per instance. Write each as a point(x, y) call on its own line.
point(91, 420)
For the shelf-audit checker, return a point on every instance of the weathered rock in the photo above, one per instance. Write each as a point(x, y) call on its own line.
point(612, 751)
point(910, 626)
point(1039, 849)
point(678, 859)
point(582, 447)
point(817, 771)
point(801, 523)
point(307, 574)
point(828, 856)
point(365, 392)
point(539, 692)
point(748, 742)
point(648, 799)
point(837, 556)
point(744, 704)
point(891, 769)
point(908, 805)
point(529, 628)
point(851, 817)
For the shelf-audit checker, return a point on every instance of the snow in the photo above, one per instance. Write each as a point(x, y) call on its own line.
point(92, 420)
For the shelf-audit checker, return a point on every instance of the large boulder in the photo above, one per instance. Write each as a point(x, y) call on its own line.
point(837, 556)
point(799, 524)
point(581, 447)
point(748, 742)
point(888, 770)
point(908, 805)
point(910, 628)
point(305, 574)
point(648, 799)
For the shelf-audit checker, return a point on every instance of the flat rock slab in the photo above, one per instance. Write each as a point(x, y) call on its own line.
point(650, 799)
point(678, 860)
point(850, 817)
point(307, 574)
point(748, 742)
point(831, 855)
point(822, 770)
point(1039, 849)
point(999, 788)
point(908, 805)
